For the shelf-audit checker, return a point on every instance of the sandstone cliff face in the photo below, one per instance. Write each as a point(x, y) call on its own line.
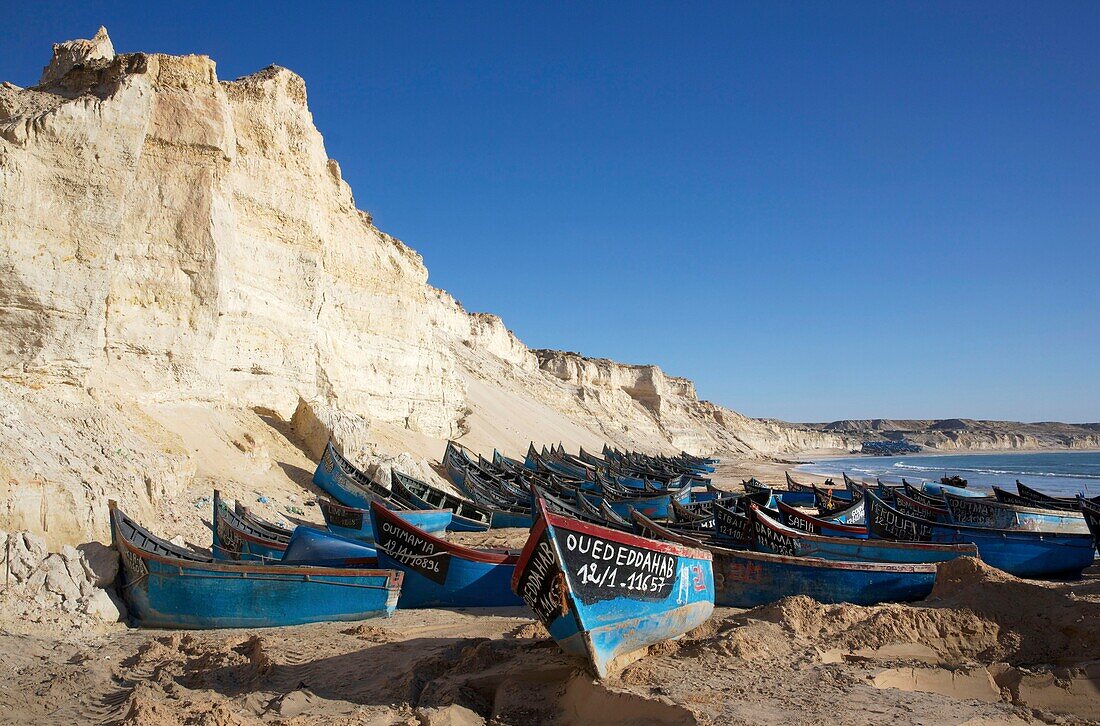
point(189, 291)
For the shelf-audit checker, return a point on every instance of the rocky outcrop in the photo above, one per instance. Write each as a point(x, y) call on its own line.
point(69, 586)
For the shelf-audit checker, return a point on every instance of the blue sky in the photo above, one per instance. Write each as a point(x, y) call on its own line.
point(814, 210)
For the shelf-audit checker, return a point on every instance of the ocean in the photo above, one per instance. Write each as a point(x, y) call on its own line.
point(1061, 473)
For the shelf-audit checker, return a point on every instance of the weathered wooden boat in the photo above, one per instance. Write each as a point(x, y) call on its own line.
point(833, 501)
point(997, 515)
point(237, 539)
point(918, 507)
point(606, 595)
point(439, 573)
point(1006, 497)
point(256, 521)
point(733, 528)
point(314, 546)
point(467, 516)
point(355, 523)
point(1036, 498)
point(755, 486)
point(345, 483)
point(595, 512)
point(1020, 553)
point(917, 494)
point(749, 579)
point(699, 513)
point(795, 486)
point(798, 519)
point(168, 587)
point(777, 538)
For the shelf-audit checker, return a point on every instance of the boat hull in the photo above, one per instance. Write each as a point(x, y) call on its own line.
point(605, 595)
point(175, 592)
point(749, 579)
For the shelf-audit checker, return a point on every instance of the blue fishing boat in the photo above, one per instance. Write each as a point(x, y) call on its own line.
point(998, 515)
point(466, 515)
point(732, 527)
point(918, 507)
point(776, 538)
point(606, 595)
point(355, 523)
point(439, 573)
point(236, 539)
point(342, 481)
point(262, 524)
point(1017, 552)
point(168, 587)
point(829, 527)
point(656, 505)
point(832, 501)
point(750, 579)
point(1036, 498)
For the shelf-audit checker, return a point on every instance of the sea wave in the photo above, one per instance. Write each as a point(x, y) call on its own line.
point(1012, 472)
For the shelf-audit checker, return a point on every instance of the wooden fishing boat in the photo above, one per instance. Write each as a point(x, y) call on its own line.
point(754, 486)
point(606, 595)
point(1007, 497)
point(595, 512)
point(832, 501)
point(439, 573)
point(355, 523)
point(772, 536)
point(919, 495)
point(1036, 498)
point(613, 518)
point(798, 519)
point(918, 507)
point(731, 527)
point(236, 539)
point(168, 587)
point(349, 486)
point(795, 486)
point(467, 516)
point(749, 579)
point(997, 515)
point(1020, 553)
point(258, 522)
point(700, 513)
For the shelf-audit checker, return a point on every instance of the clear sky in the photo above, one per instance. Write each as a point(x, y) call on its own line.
point(814, 210)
